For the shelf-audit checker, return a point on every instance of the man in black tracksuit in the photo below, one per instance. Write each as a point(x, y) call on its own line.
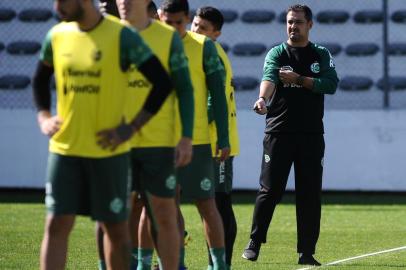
point(296, 76)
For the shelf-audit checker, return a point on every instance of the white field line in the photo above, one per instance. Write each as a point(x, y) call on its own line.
point(355, 258)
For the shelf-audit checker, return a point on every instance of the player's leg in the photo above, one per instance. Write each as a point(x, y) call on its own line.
point(145, 242)
point(55, 242)
point(135, 212)
point(109, 192)
point(100, 247)
point(63, 194)
point(277, 159)
point(181, 228)
point(197, 181)
point(213, 228)
point(134, 225)
point(137, 204)
point(308, 182)
point(223, 174)
point(159, 183)
point(168, 241)
point(116, 245)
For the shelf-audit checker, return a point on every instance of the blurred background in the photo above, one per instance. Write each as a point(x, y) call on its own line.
point(365, 120)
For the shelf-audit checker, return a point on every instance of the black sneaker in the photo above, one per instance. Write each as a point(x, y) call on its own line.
point(251, 252)
point(308, 259)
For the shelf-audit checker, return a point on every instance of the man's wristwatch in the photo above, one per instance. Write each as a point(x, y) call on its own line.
point(264, 98)
point(300, 80)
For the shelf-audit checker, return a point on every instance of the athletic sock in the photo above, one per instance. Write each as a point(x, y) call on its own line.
point(144, 259)
point(102, 265)
point(134, 259)
point(218, 257)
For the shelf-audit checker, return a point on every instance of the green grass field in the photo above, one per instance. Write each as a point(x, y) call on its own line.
point(352, 225)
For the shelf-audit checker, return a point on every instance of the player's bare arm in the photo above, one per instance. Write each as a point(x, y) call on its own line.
point(266, 90)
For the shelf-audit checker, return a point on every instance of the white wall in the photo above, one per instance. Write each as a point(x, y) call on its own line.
point(23, 150)
point(365, 150)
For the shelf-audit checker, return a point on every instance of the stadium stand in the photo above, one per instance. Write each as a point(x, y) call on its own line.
point(229, 15)
point(14, 82)
point(368, 16)
point(7, 14)
point(332, 16)
point(35, 15)
point(282, 17)
point(249, 49)
point(258, 16)
point(397, 49)
point(395, 82)
point(361, 49)
point(339, 25)
point(399, 16)
point(355, 83)
point(23, 47)
point(245, 83)
point(333, 47)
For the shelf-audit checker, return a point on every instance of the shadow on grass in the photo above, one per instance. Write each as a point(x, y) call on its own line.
point(242, 197)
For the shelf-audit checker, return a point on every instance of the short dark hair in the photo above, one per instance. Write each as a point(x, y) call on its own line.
point(302, 8)
point(152, 7)
point(175, 6)
point(213, 15)
point(111, 7)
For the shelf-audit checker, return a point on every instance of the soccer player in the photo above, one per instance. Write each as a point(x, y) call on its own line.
point(196, 179)
point(208, 21)
point(90, 55)
point(153, 147)
point(296, 76)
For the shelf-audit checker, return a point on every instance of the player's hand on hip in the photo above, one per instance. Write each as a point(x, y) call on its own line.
point(222, 153)
point(50, 125)
point(112, 138)
point(260, 106)
point(183, 152)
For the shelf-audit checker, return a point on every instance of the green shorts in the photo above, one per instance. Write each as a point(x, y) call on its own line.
point(153, 171)
point(223, 175)
point(95, 187)
point(196, 179)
